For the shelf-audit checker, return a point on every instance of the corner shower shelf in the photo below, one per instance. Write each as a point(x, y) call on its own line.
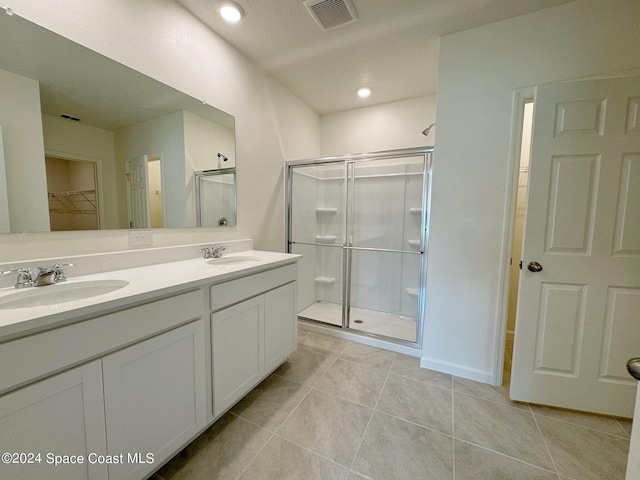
point(414, 243)
point(325, 280)
point(326, 210)
point(326, 239)
point(416, 211)
point(412, 292)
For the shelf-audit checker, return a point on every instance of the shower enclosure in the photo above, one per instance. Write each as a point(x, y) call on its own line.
point(360, 222)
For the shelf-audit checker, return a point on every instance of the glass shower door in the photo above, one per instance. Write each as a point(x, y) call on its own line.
point(384, 245)
point(359, 222)
point(316, 231)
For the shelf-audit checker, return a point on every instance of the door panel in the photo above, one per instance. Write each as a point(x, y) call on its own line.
point(627, 239)
point(582, 223)
point(571, 204)
point(560, 329)
point(62, 415)
point(138, 196)
point(623, 305)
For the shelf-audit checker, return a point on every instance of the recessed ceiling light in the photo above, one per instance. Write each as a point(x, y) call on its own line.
point(364, 92)
point(230, 11)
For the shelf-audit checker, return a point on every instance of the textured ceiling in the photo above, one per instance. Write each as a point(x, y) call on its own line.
point(393, 47)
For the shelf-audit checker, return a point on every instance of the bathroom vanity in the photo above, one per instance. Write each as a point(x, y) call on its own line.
point(112, 386)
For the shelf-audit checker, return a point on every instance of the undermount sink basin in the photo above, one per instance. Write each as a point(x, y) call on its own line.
point(234, 260)
point(59, 293)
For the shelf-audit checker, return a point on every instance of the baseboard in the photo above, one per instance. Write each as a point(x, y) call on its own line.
point(457, 370)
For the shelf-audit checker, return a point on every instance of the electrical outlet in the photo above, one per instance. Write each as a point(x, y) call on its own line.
point(140, 237)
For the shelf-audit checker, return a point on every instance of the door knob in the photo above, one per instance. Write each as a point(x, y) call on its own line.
point(534, 267)
point(633, 367)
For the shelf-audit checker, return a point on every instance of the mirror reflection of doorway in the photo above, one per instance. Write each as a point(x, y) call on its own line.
point(73, 199)
point(146, 205)
point(154, 192)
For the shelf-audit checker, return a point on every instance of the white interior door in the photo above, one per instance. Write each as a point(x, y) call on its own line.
point(138, 195)
point(577, 321)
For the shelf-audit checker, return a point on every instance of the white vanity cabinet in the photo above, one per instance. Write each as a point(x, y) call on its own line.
point(140, 388)
point(253, 331)
point(60, 416)
point(237, 343)
point(125, 385)
point(155, 399)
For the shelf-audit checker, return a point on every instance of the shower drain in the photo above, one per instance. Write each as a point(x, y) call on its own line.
point(358, 321)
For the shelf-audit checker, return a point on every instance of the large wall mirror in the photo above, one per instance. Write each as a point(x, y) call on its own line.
point(87, 143)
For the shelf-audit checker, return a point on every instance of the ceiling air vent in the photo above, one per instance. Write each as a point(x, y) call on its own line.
point(330, 14)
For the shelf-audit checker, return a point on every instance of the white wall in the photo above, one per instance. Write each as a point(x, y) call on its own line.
point(161, 39)
point(203, 140)
point(389, 126)
point(26, 180)
point(478, 73)
point(164, 137)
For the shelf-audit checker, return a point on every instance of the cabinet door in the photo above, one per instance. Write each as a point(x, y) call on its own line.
point(237, 339)
point(62, 415)
point(280, 325)
point(155, 399)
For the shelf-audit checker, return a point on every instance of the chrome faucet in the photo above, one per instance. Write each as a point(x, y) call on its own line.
point(213, 252)
point(42, 277)
point(24, 277)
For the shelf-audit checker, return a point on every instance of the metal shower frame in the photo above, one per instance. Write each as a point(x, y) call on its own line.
point(424, 231)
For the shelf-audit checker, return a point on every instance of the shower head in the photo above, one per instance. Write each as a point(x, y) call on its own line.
point(426, 131)
point(224, 159)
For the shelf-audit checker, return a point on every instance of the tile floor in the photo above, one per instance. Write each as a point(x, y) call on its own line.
point(342, 410)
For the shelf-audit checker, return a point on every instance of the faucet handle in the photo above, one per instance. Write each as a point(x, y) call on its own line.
point(24, 277)
point(213, 252)
point(57, 268)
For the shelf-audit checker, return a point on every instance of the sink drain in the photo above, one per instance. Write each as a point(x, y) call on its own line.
point(358, 321)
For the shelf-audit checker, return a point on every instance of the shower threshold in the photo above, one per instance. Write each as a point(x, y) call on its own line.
point(364, 320)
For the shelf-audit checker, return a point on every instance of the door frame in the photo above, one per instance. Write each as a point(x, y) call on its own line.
point(98, 177)
point(520, 97)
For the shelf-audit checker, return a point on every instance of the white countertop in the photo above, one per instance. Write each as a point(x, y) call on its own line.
point(145, 283)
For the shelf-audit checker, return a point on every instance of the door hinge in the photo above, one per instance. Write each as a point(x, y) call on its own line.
point(520, 265)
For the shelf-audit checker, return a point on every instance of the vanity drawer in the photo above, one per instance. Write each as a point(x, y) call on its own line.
point(234, 291)
point(30, 358)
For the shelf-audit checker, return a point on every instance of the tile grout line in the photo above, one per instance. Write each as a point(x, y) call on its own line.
point(544, 441)
point(312, 452)
point(503, 404)
point(502, 454)
point(627, 434)
point(453, 431)
point(373, 411)
point(275, 433)
point(623, 435)
point(255, 456)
